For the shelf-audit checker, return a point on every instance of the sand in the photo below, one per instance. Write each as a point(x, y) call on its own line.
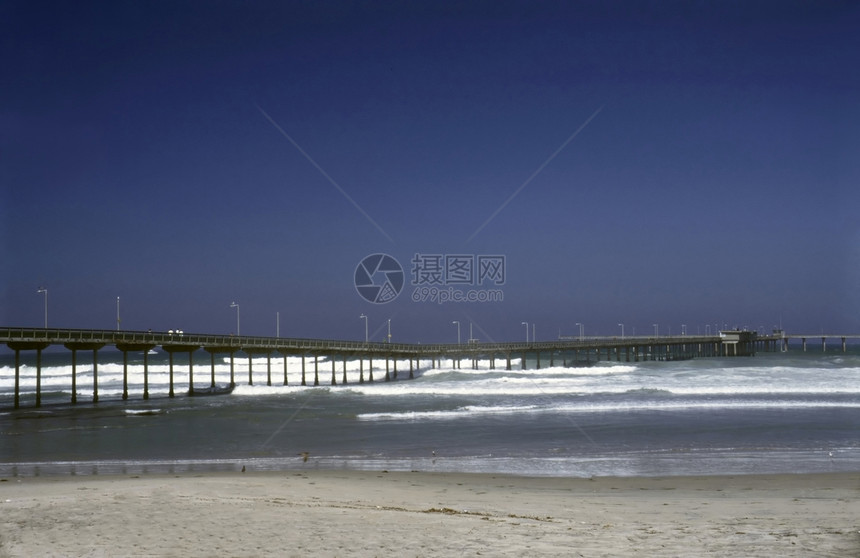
point(355, 513)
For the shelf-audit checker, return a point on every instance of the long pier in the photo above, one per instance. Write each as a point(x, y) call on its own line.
point(569, 351)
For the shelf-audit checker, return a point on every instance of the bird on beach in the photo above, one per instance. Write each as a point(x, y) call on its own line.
point(305, 455)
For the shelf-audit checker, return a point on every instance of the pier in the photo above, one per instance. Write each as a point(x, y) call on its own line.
point(181, 346)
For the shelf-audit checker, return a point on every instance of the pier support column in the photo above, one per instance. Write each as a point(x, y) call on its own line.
point(537, 354)
point(268, 369)
point(18, 346)
point(250, 369)
point(823, 344)
point(95, 375)
point(303, 370)
point(145, 375)
point(344, 370)
point(170, 364)
point(190, 373)
point(216, 349)
point(38, 377)
point(387, 376)
point(286, 382)
point(360, 370)
point(803, 342)
point(507, 361)
point(232, 371)
point(333, 379)
point(843, 345)
point(316, 370)
point(212, 369)
point(370, 369)
point(182, 349)
point(524, 360)
point(125, 375)
point(74, 376)
point(395, 367)
point(18, 378)
point(411, 373)
point(75, 346)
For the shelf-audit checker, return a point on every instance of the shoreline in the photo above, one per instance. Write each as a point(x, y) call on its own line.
point(367, 513)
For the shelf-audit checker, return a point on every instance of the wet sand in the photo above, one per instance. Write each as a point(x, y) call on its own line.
point(366, 513)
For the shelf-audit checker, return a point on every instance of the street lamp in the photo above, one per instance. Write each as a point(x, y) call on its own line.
point(45, 291)
point(117, 313)
point(683, 329)
point(458, 330)
point(656, 330)
point(236, 306)
point(389, 331)
point(277, 325)
point(527, 331)
point(580, 330)
point(622, 330)
point(363, 317)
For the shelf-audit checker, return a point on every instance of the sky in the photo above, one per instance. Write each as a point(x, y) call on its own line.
point(669, 166)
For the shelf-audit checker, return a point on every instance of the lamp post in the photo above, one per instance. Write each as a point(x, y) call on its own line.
point(236, 306)
point(278, 325)
point(117, 313)
point(581, 327)
point(363, 317)
point(389, 331)
point(527, 330)
point(683, 329)
point(656, 330)
point(458, 330)
point(45, 291)
point(622, 330)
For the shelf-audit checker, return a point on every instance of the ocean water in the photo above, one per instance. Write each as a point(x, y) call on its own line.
point(773, 413)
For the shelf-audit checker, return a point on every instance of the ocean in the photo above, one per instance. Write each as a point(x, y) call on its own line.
point(791, 412)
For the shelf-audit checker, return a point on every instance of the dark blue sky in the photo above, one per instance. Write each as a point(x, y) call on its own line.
point(146, 154)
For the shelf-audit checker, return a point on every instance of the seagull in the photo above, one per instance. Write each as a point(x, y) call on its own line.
point(305, 455)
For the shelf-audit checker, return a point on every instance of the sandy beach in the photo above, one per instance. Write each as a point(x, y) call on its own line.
point(364, 513)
